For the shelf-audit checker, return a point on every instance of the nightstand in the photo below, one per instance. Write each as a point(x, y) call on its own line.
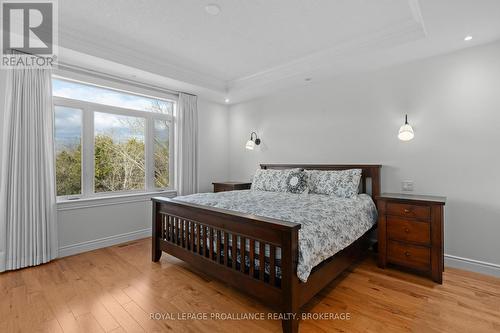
point(231, 186)
point(411, 233)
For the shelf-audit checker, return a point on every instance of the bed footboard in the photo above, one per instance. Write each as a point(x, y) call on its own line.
point(256, 255)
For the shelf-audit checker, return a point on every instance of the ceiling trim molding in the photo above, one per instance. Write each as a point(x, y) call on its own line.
point(113, 51)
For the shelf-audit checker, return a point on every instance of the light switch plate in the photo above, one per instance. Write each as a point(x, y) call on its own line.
point(407, 185)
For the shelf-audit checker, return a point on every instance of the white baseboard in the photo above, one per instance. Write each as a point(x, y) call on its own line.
point(472, 265)
point(69, 250)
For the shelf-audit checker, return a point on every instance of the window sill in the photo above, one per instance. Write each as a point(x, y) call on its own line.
point(118, 199)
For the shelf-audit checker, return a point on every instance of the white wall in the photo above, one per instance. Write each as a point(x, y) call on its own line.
point(213, 137)
point(453, 102)
point(95, 224)
point(85, 226)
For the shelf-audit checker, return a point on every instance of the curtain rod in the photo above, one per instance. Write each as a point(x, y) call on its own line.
point(75, 68)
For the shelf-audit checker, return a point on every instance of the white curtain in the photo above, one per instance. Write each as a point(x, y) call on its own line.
point(28, 230)
point(186, 152)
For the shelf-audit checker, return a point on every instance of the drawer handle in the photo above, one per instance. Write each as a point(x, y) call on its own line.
point(407, 230)
point(407, 210)
point(407, 253)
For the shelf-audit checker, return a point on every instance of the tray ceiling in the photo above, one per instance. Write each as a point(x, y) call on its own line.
point(251, 46)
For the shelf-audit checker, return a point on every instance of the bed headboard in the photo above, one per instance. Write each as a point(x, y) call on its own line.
point(370, 173)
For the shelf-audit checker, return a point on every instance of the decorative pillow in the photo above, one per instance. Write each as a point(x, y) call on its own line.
point(296, 182)
point(342, 183)
point(271, 180)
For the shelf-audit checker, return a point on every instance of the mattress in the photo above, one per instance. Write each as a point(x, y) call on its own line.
point(328, 223)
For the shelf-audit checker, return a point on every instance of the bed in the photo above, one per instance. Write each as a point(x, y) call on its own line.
point(223, 237)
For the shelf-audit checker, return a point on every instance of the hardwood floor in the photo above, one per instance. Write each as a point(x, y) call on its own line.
point(117, 288)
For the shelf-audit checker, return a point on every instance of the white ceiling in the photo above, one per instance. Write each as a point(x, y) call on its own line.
point(254, 47)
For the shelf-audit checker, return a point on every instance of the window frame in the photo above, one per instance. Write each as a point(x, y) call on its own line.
point(88, 110)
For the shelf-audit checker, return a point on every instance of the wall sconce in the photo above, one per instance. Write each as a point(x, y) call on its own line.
point(252, 142)
point(406, 131)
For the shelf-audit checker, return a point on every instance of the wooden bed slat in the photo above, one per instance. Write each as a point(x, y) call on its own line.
point(183, 233)
point(252, 258)
point(174, 231)
point(179, 231)
point(226, 248)
point(167, 227)
point(171, 227)
point(262, 256)
point(186, 234)
point(204, 245)
point(198, 238)
point(191, 234)
point(272, 267)
point(234, 250)
point(178, 224)
point(163, 233)
point(218, 249)
point(170, 231)
point(211, 245)
point(242, 254)
point(162, 221)
point(204, 241)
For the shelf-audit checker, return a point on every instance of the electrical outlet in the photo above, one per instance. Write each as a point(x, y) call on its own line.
point(407, 185)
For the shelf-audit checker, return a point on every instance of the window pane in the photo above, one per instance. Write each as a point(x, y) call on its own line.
point(161, 153)
point(119, 152)
point(95, 94)
point(68, 144)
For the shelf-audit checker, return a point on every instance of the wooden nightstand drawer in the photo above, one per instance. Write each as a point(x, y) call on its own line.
point(411, 232)
point(408, 230)
point(414, 256)
point(408, 210)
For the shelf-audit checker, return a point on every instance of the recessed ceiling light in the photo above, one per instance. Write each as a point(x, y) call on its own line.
point(212, 9)
point(468, 38)
point(226, 100)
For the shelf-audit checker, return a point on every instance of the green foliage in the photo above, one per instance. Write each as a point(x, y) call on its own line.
point(161, 159)
point(68, 171)
point(119, 166)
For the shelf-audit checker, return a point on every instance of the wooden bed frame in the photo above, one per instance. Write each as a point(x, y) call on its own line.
point(177, 227)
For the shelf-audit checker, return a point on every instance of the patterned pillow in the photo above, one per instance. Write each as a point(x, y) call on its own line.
point(271, 180)
point(296, 182)
point(343, 183)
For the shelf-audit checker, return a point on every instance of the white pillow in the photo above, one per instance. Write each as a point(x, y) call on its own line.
point(341, 183)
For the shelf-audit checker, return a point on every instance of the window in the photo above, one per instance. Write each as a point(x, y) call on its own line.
point(119, 153)
point(68, 142)
point(161, 149)
point(110, 141)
